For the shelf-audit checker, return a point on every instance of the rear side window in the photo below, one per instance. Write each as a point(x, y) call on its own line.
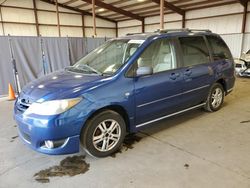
point(219, 48)
point(194, 50)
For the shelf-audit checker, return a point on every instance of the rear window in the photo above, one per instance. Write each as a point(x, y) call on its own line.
point(219, 48)
point(194, 50)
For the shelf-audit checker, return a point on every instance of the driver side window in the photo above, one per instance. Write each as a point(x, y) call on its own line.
point(159, 55)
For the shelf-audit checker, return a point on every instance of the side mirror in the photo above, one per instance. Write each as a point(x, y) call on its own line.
point(144, 71)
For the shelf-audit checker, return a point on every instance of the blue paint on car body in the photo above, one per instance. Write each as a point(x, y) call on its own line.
point(143, 99)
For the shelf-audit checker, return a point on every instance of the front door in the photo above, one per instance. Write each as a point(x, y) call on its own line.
point(160, 93)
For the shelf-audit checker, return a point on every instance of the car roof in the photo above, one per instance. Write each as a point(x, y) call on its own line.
point(168, 32)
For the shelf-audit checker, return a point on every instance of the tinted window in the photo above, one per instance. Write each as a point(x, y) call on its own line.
point(219, 48)
point(194, 50)
point(159, 55)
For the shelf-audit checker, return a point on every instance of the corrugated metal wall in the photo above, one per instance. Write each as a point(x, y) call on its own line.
point(234, 42)
point(217, 19)
point(70, 21)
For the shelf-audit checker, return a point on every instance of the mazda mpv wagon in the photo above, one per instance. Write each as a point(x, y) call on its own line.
point(124, 85)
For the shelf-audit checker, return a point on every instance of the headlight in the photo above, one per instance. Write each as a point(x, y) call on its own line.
point(52, 107)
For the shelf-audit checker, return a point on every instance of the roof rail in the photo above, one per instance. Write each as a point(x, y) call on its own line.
point(182, 30)
point(128, 34)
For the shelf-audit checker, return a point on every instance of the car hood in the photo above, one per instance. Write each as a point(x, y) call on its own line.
point(61, 85)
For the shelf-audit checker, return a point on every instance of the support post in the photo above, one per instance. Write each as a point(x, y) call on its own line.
point(143, 25)
point(94, 19)
point(13, 62)
point(36, 18)
point(162, 14)
point(243, 29)
point(184, 20)
point(1, 16)
point(58, 19)
point(83, 26)
point(116, 29)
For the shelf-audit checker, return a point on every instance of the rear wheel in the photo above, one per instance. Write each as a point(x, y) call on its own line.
point(215, 98)
point(103, 134)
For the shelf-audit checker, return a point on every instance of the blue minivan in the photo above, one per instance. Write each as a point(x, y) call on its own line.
point(122, 86)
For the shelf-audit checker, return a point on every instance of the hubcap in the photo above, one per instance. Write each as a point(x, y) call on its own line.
point(217, 96)
point(106, 135)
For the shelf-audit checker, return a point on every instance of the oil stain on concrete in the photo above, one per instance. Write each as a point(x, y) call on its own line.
point(13, 138)
point(186, 166)
point(128, 143)
point(69, 166)
point(247, 121)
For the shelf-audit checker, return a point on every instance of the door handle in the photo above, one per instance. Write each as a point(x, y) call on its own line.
point(188, 72)
point(173, 75)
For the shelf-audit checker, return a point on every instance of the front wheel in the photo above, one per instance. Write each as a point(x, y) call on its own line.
point(215, 98)
point(103, 134)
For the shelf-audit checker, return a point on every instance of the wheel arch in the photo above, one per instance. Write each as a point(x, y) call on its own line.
point(116, 108)
point(223, 83)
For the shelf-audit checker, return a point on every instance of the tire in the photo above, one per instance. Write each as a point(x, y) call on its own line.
point(215, 98)
point(107, 140)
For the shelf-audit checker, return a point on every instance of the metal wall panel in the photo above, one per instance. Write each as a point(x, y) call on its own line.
point(234, 43)
point(221, 25)
point(246, 43)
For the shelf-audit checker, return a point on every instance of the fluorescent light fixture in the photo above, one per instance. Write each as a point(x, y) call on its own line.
point(101, 10)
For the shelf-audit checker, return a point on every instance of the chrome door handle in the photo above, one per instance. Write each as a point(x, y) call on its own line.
point(188, 72)
point(173, 76)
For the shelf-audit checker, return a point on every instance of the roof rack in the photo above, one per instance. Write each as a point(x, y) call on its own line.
point(182, 30)
point(128, 34)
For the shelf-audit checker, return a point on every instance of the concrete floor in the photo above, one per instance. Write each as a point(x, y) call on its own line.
point(215, 146)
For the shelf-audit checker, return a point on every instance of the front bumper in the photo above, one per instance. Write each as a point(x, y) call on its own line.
point(34, 130)
point(245, 73)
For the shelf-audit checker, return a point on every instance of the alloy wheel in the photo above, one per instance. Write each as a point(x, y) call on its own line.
point(217, 98)
point(106, 135)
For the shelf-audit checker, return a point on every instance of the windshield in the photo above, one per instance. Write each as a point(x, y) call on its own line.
point(108, 58)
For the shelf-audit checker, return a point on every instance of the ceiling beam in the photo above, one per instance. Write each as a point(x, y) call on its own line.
point(77, 10)
point(191, 6)
point(69, 2)
point(133, 7)
point(171, 7)
point(115, 9)
point(212, 5)
point(119, 2)
point(130, 5)
point(82, 5)
point(243, 2)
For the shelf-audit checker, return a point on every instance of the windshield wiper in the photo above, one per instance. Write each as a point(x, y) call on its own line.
point(82, 69)
point(90, 68)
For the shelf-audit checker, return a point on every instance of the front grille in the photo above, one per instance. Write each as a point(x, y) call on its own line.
point(23, 104)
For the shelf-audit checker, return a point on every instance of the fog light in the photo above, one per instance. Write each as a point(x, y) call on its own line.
point(53, 144)
point(49, 144)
